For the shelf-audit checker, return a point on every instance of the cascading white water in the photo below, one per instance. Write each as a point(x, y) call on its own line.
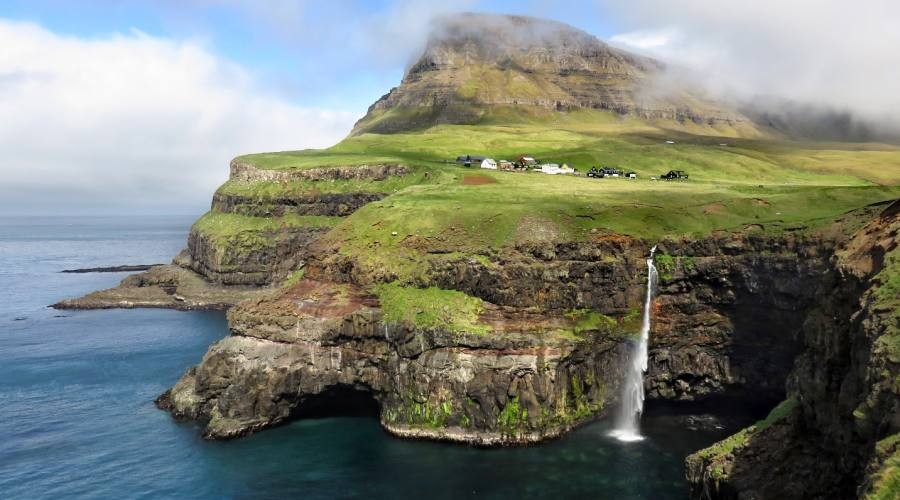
point(632, 404)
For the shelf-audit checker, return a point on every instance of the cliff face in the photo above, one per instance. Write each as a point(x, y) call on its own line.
point(837, 437)
point(258, 232)
point(318, 341)
point(537, 369)
point(728, 314)
point(475, 62)
point(258, 254)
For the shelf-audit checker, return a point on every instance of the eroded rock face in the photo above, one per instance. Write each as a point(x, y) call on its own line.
point(328, 204)
point(727, 311)
point(730, 321)
point(847, 414)
point(262, 257)
point(246, 172)
point(718, 305)
point(502, 388)
point(272, 255)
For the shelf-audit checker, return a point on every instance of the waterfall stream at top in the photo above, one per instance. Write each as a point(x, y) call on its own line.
point(632, 401)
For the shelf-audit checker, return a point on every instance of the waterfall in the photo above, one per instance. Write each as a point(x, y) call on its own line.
point(632, 401)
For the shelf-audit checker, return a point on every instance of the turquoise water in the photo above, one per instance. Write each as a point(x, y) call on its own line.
point(77, 418)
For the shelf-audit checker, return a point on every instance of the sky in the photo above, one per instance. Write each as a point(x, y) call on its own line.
point(130, 107)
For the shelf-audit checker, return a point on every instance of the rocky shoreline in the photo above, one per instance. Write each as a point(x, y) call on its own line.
point(164, 287)
point(513, 387)
point(127, 268)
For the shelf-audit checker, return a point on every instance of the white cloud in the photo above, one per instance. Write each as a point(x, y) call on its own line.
point(825, 52)
point(647, 40)
point(133, 121)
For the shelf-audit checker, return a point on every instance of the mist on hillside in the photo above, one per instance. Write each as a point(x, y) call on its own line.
point(820, 69)
point(814, 69)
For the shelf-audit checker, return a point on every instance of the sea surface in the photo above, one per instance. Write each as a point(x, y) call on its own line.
point(77, 416)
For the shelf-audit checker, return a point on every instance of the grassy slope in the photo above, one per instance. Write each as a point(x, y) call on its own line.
point(760, 183)
point(763, 183)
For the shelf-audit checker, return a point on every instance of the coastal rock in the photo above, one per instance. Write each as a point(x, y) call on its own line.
point(839, 438)
point(257, 259)
point(167, 287)
point(246, 172)
point(319, 339)
point(323, 204)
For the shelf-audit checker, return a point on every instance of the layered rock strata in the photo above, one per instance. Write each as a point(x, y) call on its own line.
point(216, 272)
point(510, 386)
point(837, 437)
point(524, 379)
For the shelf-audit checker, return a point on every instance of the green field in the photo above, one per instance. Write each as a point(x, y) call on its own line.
point(736, 184)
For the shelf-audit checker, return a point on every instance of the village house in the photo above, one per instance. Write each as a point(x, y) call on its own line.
point(469, 160)
point(550, 168)
point(489, 163)
point(526, 161)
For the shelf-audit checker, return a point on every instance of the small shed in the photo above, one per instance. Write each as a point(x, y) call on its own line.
point(505, 165)
point(489, 163)
point(550, 168)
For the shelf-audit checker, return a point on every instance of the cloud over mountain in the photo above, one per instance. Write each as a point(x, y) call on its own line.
point(831, 54)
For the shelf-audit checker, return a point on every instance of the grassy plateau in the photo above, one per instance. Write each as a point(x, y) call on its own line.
point(442, 210)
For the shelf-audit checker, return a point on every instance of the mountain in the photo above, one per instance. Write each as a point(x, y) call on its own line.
point(477, 65)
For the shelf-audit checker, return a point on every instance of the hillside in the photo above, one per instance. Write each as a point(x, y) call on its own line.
point(474, 64)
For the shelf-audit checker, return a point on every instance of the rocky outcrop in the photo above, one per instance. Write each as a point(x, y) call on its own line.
point(311, 203)
point(247, 172)
point(167, 287)
point(728, 315)
point(262, 256)
point(721, 300)
point(257, 259)
point(320, 339)
point(837, 437)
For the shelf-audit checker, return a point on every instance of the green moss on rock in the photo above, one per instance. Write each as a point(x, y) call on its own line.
point(430, 308)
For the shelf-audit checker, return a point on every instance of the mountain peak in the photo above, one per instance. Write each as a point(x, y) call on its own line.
point(474, 64)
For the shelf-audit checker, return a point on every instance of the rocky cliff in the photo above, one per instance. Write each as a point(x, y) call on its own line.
point(837, 434)
point(257, 233)
point(525, 381)
point(545, 352)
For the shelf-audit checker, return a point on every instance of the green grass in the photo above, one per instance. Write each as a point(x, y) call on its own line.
point(485, 219)
point(758, 184)
point(886, 481)
point(513, 418)
point(587, 137)
point(735, 441)
point(223, 226)
point(430, 308)
point(887, 297)
point(270, 190)
point(586, 320)
point(312, 158)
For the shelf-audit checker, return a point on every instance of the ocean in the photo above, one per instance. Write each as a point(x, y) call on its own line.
point(77, 417)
